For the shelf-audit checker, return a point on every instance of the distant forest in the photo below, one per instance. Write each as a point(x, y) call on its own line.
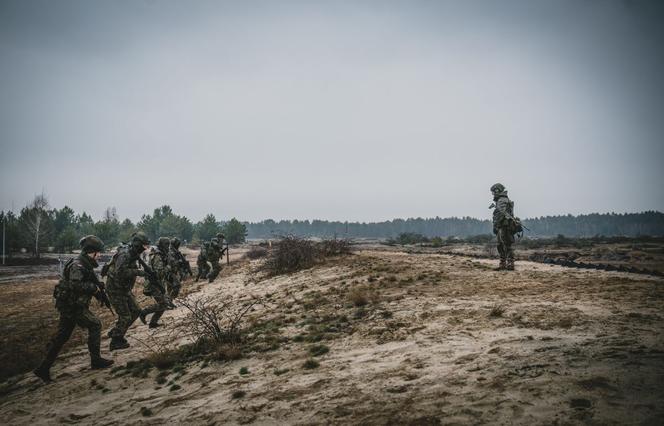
point(39, 227)
point(588, 225)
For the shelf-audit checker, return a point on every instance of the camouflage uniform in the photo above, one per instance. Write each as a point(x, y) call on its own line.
point(214, 253)
point(122, 273)
point(175, 259)
point(72, 300)
point(503, 218)
point(159, 263)
point(201, 261)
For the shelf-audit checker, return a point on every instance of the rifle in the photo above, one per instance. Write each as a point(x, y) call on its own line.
point(152, 277)
point(101, 294)
point(185, 264)
point(228, 262)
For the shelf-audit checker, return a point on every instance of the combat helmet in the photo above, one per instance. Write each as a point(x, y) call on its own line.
point(163, 243)
point(220, 236)
point(91, 244)
point(139, 240)
point(497, 188)
point(175, 242)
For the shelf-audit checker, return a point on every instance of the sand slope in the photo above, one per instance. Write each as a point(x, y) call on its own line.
point(562, 346)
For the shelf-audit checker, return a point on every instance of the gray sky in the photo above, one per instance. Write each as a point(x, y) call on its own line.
point(362, 110)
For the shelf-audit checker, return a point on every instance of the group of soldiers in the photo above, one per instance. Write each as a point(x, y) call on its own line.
point(209, 257)
point(162, 281)
point(163, 274)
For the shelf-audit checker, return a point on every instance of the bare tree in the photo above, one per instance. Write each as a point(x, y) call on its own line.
point(34, 217)
point(111, 214)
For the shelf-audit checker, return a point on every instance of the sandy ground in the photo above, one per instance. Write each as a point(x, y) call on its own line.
point(444, 340)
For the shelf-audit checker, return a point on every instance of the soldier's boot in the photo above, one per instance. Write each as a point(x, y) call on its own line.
point(142, 315)
point(154, 321)
point(118, 343)
point(509, 266)
point(44, 373)
point(99, 363)
point(502, 266)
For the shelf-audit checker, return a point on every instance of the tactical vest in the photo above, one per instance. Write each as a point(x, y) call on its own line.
point(66, 296)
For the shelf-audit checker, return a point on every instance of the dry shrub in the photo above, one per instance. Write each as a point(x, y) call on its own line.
point(496, 311)
point(164, 359)
point(362, 295)
point(334, 247)
point(292, 254)
point(215, 322)
point(227, 353)
point(256, 252)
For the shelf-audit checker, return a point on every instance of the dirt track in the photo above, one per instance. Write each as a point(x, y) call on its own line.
point(569, 347)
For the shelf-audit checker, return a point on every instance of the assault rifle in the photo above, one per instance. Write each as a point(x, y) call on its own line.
point(152, 277)
point(101, 294)
point(222, 253)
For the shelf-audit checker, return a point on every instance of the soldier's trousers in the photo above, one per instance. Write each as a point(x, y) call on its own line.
point(157, 310)
point(203, 269)
point(214, 272)
point(174, 286)
point(505, 241)
point(68, 321)
point(126, 308)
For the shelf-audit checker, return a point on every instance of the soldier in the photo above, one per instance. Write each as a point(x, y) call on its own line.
point(160, 265)
point(214, 253)
point(503, 226)
point(201, 261)
point(178, 267)
point(72, 299)
point(122, 272)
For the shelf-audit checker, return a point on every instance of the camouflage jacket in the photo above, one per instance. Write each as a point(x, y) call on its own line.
point(176, 260)
point(77, 285)
point(159, 262)
point(205, 247)
point(503, 211)
point(123, 269)
point(214, 253)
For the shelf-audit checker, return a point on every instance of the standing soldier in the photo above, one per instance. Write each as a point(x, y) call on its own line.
point(504, 226)
point(214, 253)
point(122, 272)
point(160, 265)
point(72, 299)
point(201, 261)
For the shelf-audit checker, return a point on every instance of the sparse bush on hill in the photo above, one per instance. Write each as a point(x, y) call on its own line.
point(256, 252)
point(291, 254)
point(362, 295)
point(213, 321)
point(334, 247)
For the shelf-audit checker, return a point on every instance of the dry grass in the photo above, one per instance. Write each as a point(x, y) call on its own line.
point(496, 311)
point(292, 254)
point(362, 295)
point(256, 252)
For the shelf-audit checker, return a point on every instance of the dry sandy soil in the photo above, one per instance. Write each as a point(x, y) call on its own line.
point(442, 340)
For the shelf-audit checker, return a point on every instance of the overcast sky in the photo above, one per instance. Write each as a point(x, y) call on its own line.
point(358, 110)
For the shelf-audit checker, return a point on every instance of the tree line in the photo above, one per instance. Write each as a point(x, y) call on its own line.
point(588, 225)
point(38, 227)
